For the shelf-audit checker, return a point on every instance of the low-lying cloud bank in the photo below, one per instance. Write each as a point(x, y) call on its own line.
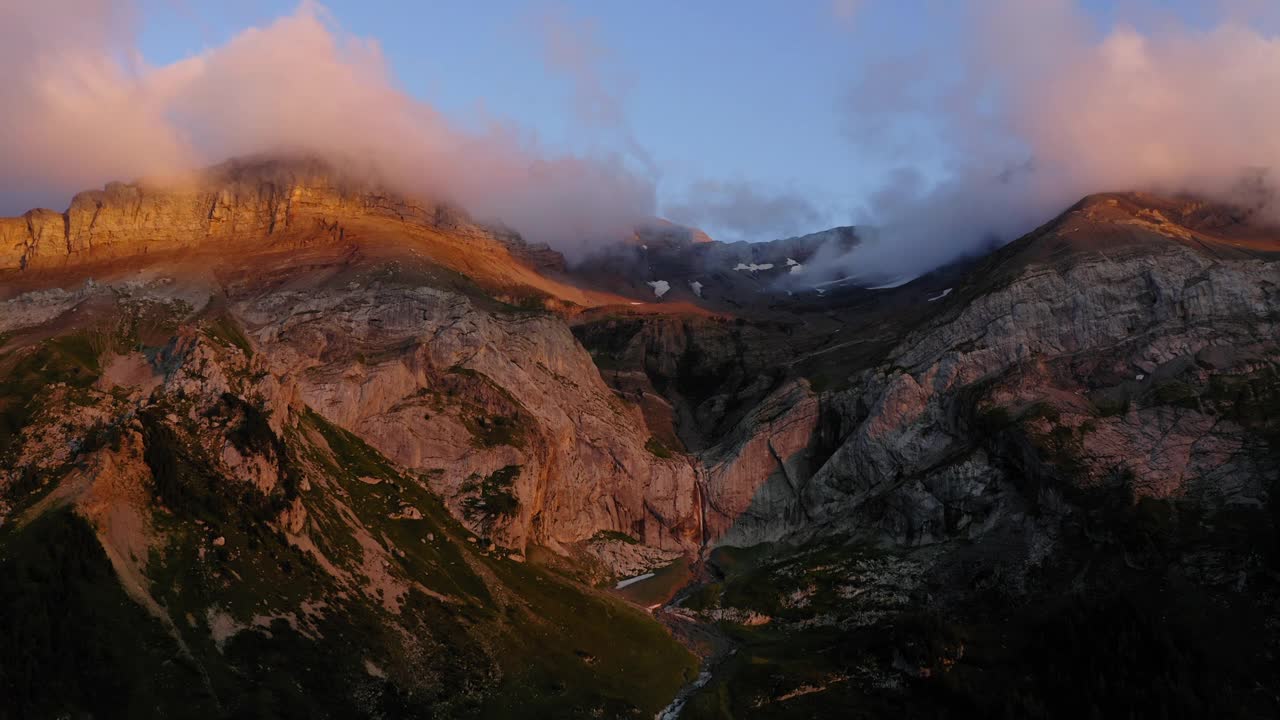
point(1043, 108)
point(744, 211)
point(1027, 108)
point(80, 108)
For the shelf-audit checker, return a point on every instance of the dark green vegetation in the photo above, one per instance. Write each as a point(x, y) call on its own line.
point(550, 647)
point(494, 430)
point(689, 361)
point(658, 449)
point(1148, 607)
point(522, 299)
point(563, 651)
point(785, 670)
point(224, 329)
point(73, 358)
point(614, 535)
point(1145, 643)
point(261, 628)
point(576, 654)
point(186, 483)
point(1253, 400)
point(490, 413)
point(28, 373)
point(353, 464)
point(759, 579)
point(1176, 392)
point(490, 497)
point(74, 643)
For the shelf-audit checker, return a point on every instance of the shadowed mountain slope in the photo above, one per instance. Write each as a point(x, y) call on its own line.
point(303, 447)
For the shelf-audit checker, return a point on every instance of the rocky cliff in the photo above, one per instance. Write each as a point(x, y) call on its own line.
point(459, 392)
point(1092, 351)
point(257, 204)
point(1080, 445)
point(280, 410)
point(128, 219)
point(357, 302)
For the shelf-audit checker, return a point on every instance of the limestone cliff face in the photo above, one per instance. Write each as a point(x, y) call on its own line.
point(755, 476)
point(718, 390)
point(459, 393)
point(501, 410)
point(136, 219)
point(335, 421)
point(239, 201)
point(1095, 369)
point(229, 512)
point(1116, 328)
point(36, 232)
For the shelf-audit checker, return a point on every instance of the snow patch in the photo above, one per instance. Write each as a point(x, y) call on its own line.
point(660, 287)
point(632, 581)
point(696, 287)
point(754, 267)
point(942, 295)
point(791, 262)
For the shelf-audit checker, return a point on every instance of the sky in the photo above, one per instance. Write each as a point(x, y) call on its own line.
point(752, 119)
point(746, 94)
point(713, 92)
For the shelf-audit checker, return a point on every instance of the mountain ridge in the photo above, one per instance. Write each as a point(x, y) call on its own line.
point(373, 435)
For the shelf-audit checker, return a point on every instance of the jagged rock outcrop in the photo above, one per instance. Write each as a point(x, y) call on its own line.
point(120, 220)
point(501, 409)
point(709, 372)
point(1110, 345)
point(732, 277)
point(300, 413)
point(459, 393)
point(755, 476)
point(163, 487)
point(1075, 462)
point(256, 201)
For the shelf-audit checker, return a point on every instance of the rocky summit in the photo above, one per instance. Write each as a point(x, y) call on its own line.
point(276, 441)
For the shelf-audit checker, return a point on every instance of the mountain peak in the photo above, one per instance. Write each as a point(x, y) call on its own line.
point(240, 200)
point(1129, 223)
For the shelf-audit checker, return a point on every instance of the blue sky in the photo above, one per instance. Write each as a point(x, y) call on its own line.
point(752, 92)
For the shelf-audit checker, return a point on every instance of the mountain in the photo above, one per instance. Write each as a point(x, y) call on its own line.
point(1053, 497)
point(281, 442)
point(664, 262)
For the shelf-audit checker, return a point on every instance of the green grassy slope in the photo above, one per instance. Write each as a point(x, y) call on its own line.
point(259, 626)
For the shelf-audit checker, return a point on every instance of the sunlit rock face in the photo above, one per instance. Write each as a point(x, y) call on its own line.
point(274, 366)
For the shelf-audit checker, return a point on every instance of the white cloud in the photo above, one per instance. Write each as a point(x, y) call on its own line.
point(76, 112)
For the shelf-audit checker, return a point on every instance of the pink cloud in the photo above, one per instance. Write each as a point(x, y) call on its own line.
point(80, 112)
point(1047, 109)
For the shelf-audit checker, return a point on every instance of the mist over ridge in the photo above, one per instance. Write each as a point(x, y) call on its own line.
point(1026, 108)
